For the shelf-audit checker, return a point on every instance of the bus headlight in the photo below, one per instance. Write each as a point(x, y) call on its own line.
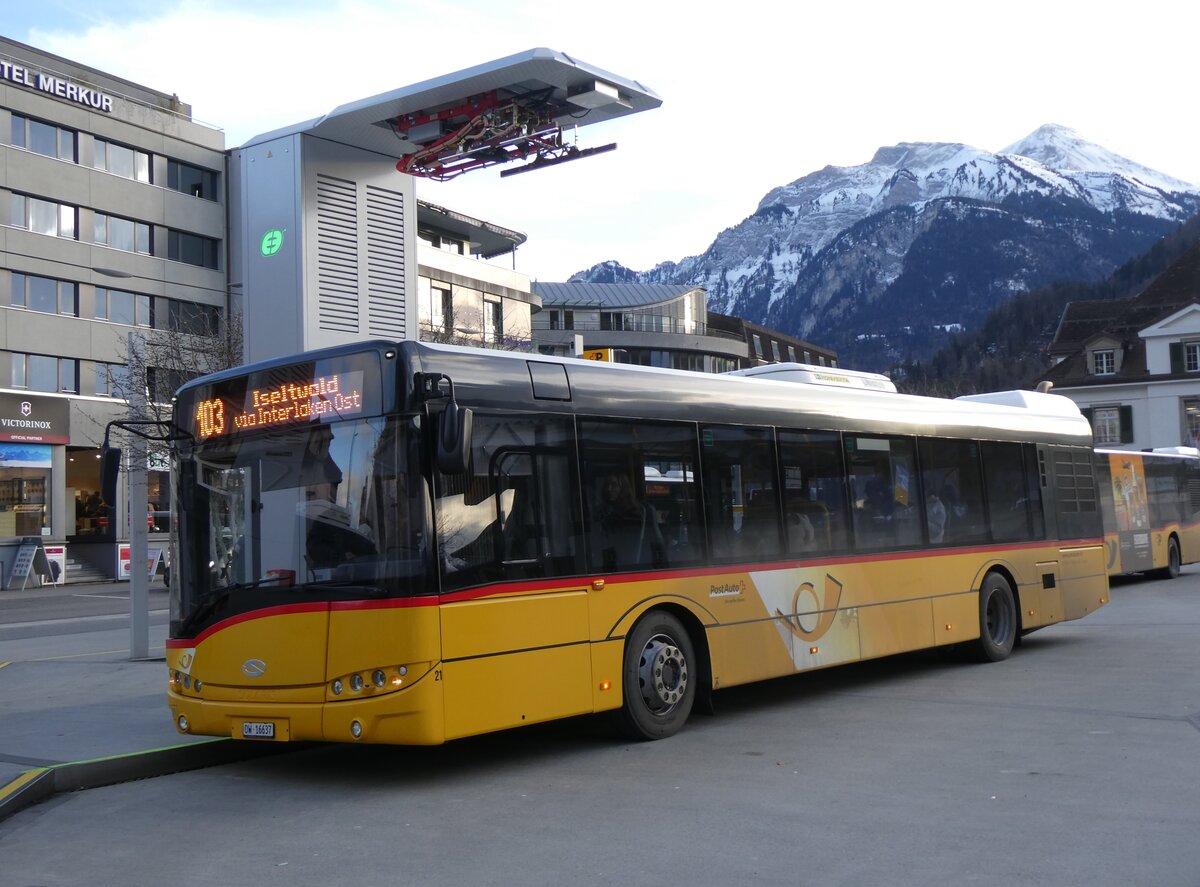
point(376, 680)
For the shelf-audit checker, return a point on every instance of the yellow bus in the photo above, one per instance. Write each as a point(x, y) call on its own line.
point(412, 543)
point(1150, 501)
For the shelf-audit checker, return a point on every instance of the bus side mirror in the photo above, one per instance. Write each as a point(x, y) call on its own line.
point(454, 439)
point(110, 467)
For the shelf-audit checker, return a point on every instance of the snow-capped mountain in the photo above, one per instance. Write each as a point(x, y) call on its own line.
point(850, 256)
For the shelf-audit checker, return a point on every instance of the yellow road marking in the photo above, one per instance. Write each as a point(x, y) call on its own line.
point(17, 784)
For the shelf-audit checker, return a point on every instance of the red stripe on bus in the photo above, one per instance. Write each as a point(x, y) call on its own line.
point(514, 588)
point(267, 612)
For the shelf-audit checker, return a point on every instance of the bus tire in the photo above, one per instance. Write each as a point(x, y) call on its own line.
point(658, 677)
point(997, 619)
point(1174, 561)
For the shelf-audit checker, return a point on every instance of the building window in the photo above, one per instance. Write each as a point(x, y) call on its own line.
point(112, 380)
point(1191, 422)
point(43, 138)
point(44, 294)
point(1191, 357)
point(756, 339)
point(119, 160)
point(38, 372)
point(123, 234)
point(1111, 424)
point(1104, 363)
point(791, 353)
point(192, 249)
point(43, 216)
point(192, 180)
point(775, 351)
point(493, 322)
point(560, 319)
point(118, 306)
point(162, 383)
point(192, 318)
point(616, 320)
point(443, 242)
point(443, 298)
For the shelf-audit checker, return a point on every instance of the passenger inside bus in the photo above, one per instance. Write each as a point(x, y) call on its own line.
point(627, 528)
point(935, 515)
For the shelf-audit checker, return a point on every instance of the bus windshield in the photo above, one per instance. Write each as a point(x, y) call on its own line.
point(324, 511)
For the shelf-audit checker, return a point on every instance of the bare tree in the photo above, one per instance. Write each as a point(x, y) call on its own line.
point(440, 335)
point(157, 362)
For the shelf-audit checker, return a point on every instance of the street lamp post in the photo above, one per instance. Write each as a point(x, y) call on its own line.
point(139, 579)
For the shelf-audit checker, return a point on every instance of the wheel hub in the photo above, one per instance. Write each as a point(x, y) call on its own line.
point(663, 674)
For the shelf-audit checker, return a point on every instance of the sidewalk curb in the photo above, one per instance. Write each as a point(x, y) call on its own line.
point(41, 783)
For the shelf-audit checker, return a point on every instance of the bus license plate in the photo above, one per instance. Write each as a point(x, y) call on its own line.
point(258, 730)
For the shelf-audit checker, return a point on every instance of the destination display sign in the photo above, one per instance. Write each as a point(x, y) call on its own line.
point(338, 396)
point(285, 397)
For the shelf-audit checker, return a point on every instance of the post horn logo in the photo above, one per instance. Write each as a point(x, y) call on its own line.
point(827, 610)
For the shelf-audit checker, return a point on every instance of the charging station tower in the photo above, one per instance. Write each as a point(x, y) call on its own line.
point(323, 217)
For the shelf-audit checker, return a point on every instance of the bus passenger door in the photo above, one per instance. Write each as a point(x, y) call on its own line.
point(515, 659)
point(515, 639)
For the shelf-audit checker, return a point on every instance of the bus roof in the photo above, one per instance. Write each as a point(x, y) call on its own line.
point(499, 378)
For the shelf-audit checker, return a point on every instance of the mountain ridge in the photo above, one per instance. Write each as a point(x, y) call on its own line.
point(831, 254)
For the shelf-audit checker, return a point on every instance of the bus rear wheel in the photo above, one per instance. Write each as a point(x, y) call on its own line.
point(1174, 561)
point(997, 619)
point(658, 677)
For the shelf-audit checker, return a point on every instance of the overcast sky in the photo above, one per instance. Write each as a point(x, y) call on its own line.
point(755, 93)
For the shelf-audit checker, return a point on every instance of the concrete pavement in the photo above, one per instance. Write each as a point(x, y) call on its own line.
point(75, 710)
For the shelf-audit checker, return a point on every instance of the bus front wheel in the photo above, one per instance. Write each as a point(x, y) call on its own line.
point(997, 619)
point(659, 677)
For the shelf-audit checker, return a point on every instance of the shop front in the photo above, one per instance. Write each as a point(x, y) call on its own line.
point(34, 432)
point(50, 489)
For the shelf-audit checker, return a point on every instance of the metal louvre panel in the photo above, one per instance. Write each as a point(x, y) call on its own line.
point(385, 262)
point(337, 255)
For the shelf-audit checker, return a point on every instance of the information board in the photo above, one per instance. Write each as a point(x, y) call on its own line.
point(30, 557)
point(124, 569)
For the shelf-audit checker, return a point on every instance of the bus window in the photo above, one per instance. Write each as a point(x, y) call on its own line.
point(1191, 507)
point(739, 490)
point(515, 514)
point(814, 491)
point(950, 477)
point(1007, 493)
point(1033, 490)
point(1165, 493)
point(639, 486)
point(887, 511)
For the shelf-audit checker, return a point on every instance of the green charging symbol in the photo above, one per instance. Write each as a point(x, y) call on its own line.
point(271, 242)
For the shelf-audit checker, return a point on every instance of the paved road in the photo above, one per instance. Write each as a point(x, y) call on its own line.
point(1077, 761)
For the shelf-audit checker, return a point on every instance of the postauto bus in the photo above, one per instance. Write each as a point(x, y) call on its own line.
point(410, 543)
point(1150, 501)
